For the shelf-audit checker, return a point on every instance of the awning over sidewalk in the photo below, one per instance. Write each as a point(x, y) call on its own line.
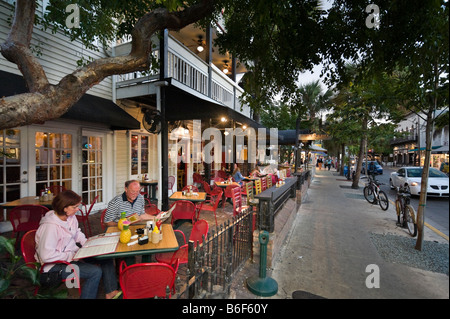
point(288, 137)
point(440, 150)
point(89, 108)
point(423, 149)
point(181, 105)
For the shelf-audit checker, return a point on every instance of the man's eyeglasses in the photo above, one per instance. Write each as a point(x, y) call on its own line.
point(133, 192)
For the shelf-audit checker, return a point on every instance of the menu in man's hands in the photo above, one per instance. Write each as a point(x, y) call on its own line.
point(98, 245)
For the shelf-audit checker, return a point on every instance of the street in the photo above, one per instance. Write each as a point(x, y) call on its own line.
point(336, 235)
point(436, 211)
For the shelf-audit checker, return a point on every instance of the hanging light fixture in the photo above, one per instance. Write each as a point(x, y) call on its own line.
point(225, 67)
point(200, 46)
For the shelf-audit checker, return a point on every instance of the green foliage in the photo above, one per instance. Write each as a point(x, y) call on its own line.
point(279, 116)
point(13, 269)
point(276, 39)
point(102, 20)
point(365, 109)
point(405, 26)
point(380, 136)
point(18, 279)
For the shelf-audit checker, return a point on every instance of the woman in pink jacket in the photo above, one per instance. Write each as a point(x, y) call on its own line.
point(59, 238)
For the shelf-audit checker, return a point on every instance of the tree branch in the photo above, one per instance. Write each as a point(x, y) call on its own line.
point(46, 101)
point(16, 48)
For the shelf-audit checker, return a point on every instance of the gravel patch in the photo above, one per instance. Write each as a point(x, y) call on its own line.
point(399, 249)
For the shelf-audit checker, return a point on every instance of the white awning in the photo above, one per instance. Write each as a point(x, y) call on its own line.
point(317, 148)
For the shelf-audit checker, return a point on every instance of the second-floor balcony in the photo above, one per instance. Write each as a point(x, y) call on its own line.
point(187, 71)
point(405, 139)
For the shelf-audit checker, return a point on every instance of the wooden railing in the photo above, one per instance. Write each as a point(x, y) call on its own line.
point(188, 69)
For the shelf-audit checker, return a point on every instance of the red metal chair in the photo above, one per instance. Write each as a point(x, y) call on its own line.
point(218, 179)
point(184, 209)
point(102, 219)
point(274, 179)
point(228, 193)
point(143, 191)
point(25, 218)
point(237, 201)
point(206, 188)
point(211, 203)
point(186, 188)
point(263, 184)
point(150, 208)
point(222, 174)
point(197, 178)
point(170, 183)
point(28, 247)
point(84, 217)
point(146, 280)
point(179, 257)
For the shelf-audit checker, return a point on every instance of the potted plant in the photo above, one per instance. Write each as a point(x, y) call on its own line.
point(18, 279)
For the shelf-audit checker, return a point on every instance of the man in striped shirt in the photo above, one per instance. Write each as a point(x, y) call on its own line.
point(130, 201)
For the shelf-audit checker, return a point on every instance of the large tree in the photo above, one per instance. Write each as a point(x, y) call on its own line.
point(411, 37)
point(424, 87)
point(269, 32)
point(46, 101)
point(276, 40)
point(365, 103)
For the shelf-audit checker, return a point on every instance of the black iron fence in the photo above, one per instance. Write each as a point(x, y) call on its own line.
point(213, 263)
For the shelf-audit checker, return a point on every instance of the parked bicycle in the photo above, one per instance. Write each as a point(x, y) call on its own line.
point(406, 215)
point(374, 195)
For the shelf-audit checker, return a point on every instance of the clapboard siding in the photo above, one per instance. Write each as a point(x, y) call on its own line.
point(58, 56)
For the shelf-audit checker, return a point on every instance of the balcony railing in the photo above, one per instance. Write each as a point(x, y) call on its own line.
point(187, 69)
point(404, 139)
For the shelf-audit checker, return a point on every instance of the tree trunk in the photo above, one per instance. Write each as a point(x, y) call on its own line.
point(362, 146)
point(420, 219)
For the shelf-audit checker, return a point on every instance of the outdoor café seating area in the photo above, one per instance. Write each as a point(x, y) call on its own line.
point(197, 209)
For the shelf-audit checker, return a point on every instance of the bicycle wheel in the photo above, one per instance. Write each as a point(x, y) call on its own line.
point(411, 220)
point(383, 200)
point(368, 194)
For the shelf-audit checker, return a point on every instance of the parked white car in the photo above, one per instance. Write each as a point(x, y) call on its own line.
point(412, 176)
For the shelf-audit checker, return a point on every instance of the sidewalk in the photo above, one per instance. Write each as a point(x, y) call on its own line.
point(334, 238)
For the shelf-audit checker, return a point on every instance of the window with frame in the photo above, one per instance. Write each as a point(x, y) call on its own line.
point(53, 153)
point(9, 165)
point(92, 168)
point(139, 154)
